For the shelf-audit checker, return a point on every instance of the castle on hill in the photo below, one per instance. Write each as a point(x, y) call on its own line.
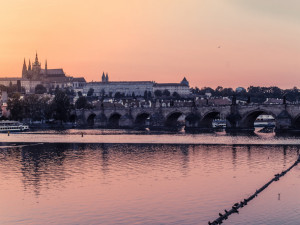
point(35, 71)
point(33, 74)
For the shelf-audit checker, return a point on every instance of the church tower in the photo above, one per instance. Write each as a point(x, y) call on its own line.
point(36, 68)
point(106, 78)
point(29, 66)
point(46, 68)
point(24, 70)
point(185, 82)
point(103, 77)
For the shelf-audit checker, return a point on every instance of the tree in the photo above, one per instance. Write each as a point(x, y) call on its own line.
point(219, 90)
point(61, 106)
point(40, 89)
point(133, 95)
point(158, 93)
point(90, 92)
point(118, 95)
point(19, 88)
point(79, 93)
point(227, 92)
point(32, 107)
point(46, 108)
point(51, 91)
point(15, 105)
point(176, 95)
point(67, 91)
point(102, 92)
point(145, 95)
point(166, 92)
point(81, 103)
point(11, 89)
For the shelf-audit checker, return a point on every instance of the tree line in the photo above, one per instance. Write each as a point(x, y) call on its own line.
point(37, 108)
point(257, 94)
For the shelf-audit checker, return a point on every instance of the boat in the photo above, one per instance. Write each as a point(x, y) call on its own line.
point(264, 124)
point(219, 124)
point(12, 126)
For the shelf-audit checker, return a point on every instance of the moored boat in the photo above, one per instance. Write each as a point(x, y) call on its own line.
point(12, 126)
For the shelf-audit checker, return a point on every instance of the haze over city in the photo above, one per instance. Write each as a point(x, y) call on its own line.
point(177, 112)
point(229, 43)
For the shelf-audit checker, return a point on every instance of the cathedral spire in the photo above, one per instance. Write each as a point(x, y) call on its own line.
point(36, 58)
point(24, 65)
point(103, 77)
point(29, 65)
point(24, 70)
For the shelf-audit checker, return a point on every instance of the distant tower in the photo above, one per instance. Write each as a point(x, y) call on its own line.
point(29, 65)
point(103, 77)
point(24, 70)
point(36, 68)
point(106, 78)
point(185, 82)
point(46, 67)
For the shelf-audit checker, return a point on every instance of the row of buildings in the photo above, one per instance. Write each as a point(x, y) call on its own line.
point(33, 74)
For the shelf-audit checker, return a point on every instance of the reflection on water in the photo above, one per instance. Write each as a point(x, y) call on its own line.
point(145, 183)
point(130, 136)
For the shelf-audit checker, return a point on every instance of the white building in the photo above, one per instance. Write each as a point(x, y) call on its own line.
point(182, 88)
point(110, 88)
point(128, 88)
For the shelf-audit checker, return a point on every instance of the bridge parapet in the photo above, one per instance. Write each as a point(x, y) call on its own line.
point(239, 117)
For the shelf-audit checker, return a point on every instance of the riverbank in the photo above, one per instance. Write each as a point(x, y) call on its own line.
point(125, 136)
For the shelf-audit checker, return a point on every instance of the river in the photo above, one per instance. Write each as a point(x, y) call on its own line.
point(129, 177)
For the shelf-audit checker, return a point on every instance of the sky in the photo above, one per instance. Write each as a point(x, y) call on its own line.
point(211, 42)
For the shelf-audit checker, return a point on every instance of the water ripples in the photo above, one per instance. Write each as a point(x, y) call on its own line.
point(145, 183)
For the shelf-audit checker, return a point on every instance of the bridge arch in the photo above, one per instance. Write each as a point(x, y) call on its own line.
point(91, 119)
point(172, 119)
point(141, 119)
point(249, 118)
point(114, 120)
point(296, 122)
point(207, 119)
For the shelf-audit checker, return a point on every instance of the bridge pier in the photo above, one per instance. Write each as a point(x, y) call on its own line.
point(126, 121)
point(101, 120)
point(284, 123)
point(157, 121)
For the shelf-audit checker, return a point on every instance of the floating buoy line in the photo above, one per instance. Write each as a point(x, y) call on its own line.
point(236, 206)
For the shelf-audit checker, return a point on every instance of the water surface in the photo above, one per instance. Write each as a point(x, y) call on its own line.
point(146, 183)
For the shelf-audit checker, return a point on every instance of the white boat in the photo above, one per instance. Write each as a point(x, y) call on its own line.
point(219, 123)
point(7, 125)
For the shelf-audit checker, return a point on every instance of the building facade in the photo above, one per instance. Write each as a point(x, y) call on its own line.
point(110, 88)
point(182, 88)
point(33, 74)
point(136, 88)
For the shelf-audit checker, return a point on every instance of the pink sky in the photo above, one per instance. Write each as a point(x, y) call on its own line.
point(211, 42)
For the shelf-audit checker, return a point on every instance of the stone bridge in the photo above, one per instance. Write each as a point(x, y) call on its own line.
point(238, 117)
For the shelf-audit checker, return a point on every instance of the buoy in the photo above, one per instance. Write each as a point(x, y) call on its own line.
point(81, 134)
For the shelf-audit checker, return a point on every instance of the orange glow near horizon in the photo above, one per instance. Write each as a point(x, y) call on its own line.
point(232, 43)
